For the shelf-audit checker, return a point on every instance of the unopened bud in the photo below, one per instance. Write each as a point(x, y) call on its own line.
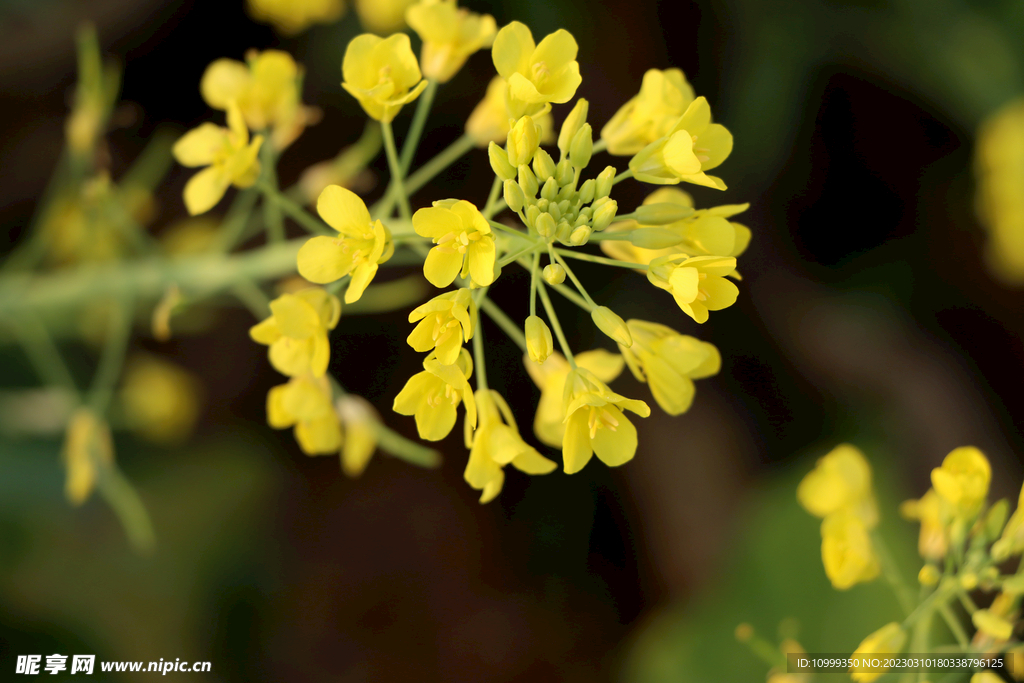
point(582, 147)
point(539, 344)
point(581, 219)
point(564, 173)
point(545, 225)
point(553, 274)
point(543, 204)
point(604, 215)
point(969, 581)
point(603, 187)
point(572, 124)
point(550, 190)
point(579, 236)
point(514, 196)
point(654, 238)
point(532, 213)
point(612, 325)
point(661, 213)
point(499, 162)
point(522, 141)
point(563, 232)
point(527, 181)
point(555, 212)
point(929, 575)
point(543, 165)
point(587, 191)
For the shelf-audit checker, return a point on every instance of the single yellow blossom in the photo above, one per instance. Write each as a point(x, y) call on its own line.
point(650, 115)
point(999, 167)
point(963, 480)
point(445, 322)
point(846, 550)
point(693, 145)
point(888, 640)
point(992, 625)
point(88, 446)
point(669, 362)
point(935, 516)
point(305, 404)
point(550, 376)
point(266, 89)
point(290, 17)
point(227, 153)
point(489, 120)
point(296, 331)
point(537, 75)
point(697, 283)
point(465, 245)
point(497, 443)
point(360, 423)
point(449, 34)
point(433, 395)
point(358, 250)
point(160, 400)
point(539, 344)
point(382, 17)
point(382, 74)
point(595, 423)
point(840, 482)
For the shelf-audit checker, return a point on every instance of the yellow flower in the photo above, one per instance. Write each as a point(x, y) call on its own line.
point(382, 17)
point(87, 447)
point(465, 245)
point(992, 625)
point(495, 444)
point(433, 395)
point(963, 480)
point(999, 167)
point(840, 482)
point(888, 640)
point(160, 399)
point(934, 514)
point(266, 90)
point(693, 145)
point(986, 677)
point(489, 121)
point(650, 115)
point(539, 345)
point(294, 16)
point(595, 423)
point(450, 35)
point(357, 251)
point(669, 362)
point(846, 550)
point(360, 423)
point(446, 321)
point(536, 74)
point(382, 73)
point(550, 376)
point(697, 283)
point(227, 153)
point(305, 403)
point(296, 332)
point(1011, 542)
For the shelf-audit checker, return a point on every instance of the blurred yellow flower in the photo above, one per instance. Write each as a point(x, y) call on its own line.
point(669, 362)
point(992, 625)
point(294, 16)
point(999, 167)
point(382, 16)
point(595, 423)
point(160, 400)
point(382, 74)
point(497, 443)
point(963, 480)
point(296, 332)
point(934, 514)
point(888, 640)
point(266, 89)
point(87, 447)
point(489, 120)
point(649, 115)
point(693, 145)
point(433, 395)
point(449, 34)
point(697, 283)
point(230, 157)
point(465, 245)
point(357, 251)
point(446, 321)
point(537, 75)
point(1011, 541)
point(360, 423)
point(846, 550)
point(305, 404)
point(840, 482)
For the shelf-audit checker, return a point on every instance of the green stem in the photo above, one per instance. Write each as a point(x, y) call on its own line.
point(504, 322)
point(234, 223)
point(112, 358)
point(515, 257)
point(43, 354)
point(305, 219)
point(955, 626)
point(610, 236)
point(583, 256)
point(253, 298)
point(271, 196)
point(504, 228)
point(478, 343)
point(491, 207)
point(555, 324)
point(622, 176)
point(892, 573)
point(125, 502)
point(572, 276)
point(534, 274)
point(448, 156)
point(966, 601)
point(600, 146)
point(412, 140)
point(397, 177)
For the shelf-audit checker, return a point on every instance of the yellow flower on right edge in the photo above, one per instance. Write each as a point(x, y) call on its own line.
point(999, 167)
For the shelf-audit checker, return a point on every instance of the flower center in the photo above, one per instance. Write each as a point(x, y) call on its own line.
point(601, 417)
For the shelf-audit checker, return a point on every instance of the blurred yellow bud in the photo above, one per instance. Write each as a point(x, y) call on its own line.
point(553, 274)
point(841, 481)
point(87, 447)
point(539, 344)
point(888, 640)
point(289, 17)
point(929, 575)
point(305, 404)
point(382, 16)
point(992, 625)
point(612, 325)
point(381, 73)
point(998, 162)
point(449, 34)
point(160, 400)
point(963, 480)
point(934, 515)
point(846, 551)
point(360, 422)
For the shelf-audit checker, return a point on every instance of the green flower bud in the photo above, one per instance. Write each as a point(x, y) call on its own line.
point(522, 141)
point(661, 213)
point(582, 147)
point(539, 344)
point(553, 274)
point(587, 191)
point(654, 238)
point(543, 165)
point(573, 122)
point(604, 215)
point(550, 189)
point(603, 188)
point(582, 219)
point(499, 162)
point(532, 213)
point(587, 211)
point(527, 181)
point(514, 196)
point(545, 225)
point(543, 204)
point(612, 325)
point(563, 206)
point(579, 236)
point(564, 172)
point(563, 232)
point(995, 519)
point(929, 575)
point(555, 212)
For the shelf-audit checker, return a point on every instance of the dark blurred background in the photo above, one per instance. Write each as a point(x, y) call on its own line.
point(866, 315)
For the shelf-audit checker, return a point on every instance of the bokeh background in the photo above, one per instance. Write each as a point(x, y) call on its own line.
point(867, 314)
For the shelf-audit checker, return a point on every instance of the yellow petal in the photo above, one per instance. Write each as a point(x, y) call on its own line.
point(295, 317)
point(322, 260)
point(204, 190)
point(223, 81)
point(200, 146)
point(442, 267)
point(615, 446)
point(576, 447)
point(513, 47)
point(344, 211)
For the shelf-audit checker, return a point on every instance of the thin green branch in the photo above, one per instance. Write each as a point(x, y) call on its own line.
point(493, 199)
point(583, 256)
point(112, 357)
point(271, 196)
point(397, 177)
point(572, 276)
point(534, 274)
point(305, 219)
point(43, 353)
point(412, 140)
point(553, 317)
point(480, 367)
